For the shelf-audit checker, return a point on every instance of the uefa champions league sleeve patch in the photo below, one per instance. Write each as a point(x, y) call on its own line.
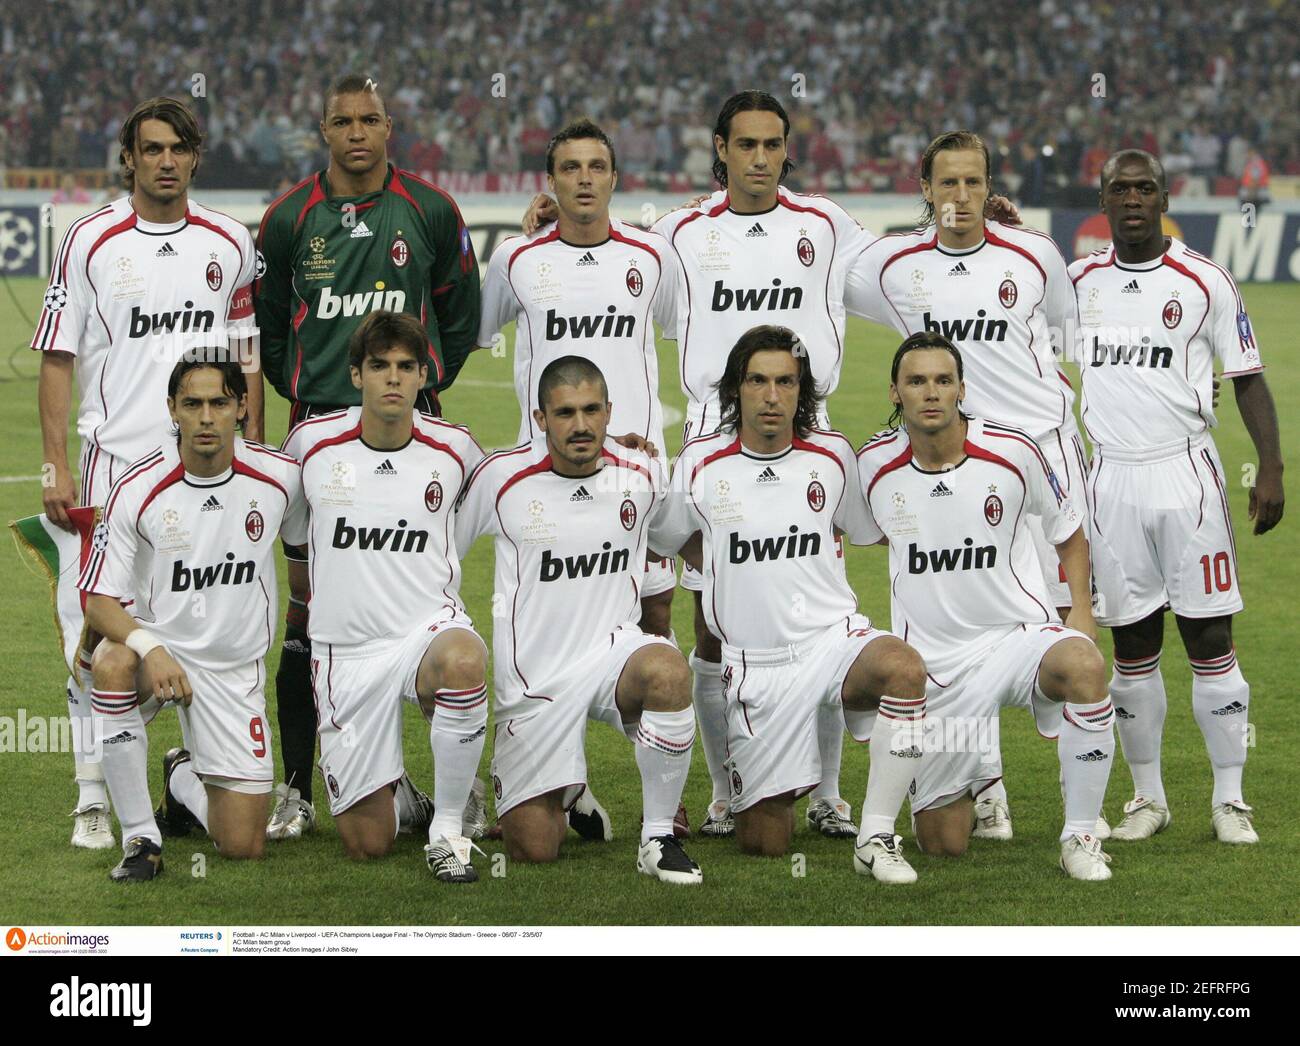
point(56, 297)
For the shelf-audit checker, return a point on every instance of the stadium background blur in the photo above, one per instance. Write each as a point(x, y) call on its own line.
point(866, 85)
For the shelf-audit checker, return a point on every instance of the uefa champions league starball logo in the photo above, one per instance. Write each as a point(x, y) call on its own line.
point(56, 297)
point(535, 509)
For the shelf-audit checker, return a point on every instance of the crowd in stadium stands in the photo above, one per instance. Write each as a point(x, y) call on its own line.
point(480, 85)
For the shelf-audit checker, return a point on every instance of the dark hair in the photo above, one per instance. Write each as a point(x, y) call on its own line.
point(174, 114)
point(569, 370)
point(920, 340)
point(218, 357)
point(758, 339)
point(748, 102)
point(574, 131)
point(1115, 159)
point(383, 330)
point(951, 141)
point(352, 83)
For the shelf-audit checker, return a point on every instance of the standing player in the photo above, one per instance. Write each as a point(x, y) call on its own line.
point(1155, 317)
point(133, 286)
point(770, 494)
point(181, 585)
point(570, 512)
point(357, 237)
point(951, 493)
point(1001, 294)
point(382, 575)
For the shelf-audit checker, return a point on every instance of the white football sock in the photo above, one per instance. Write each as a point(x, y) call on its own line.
point(997, 790)
point(456, 736)
point(830, 744)
point(1138, 691)
point(710, 705)
point(187, 787)
point(126, 763)
point(896, 752)
point(663, 755)
point(1085, 749)
point(88, 755)
point(1221, 705)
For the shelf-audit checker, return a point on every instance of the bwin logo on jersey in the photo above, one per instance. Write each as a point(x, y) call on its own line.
point(977, 329)
point(604, 562)
point(752, 299)
point(787, 546)
point(1143, 354)
point(610, 325)
point(329, 305)
point(939, 560)
point(227, 573)
point(183, 320)
point(379, 539)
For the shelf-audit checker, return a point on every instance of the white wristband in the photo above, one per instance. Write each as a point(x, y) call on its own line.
point(142, 641)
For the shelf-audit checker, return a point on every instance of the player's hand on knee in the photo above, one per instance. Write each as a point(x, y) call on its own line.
point(541, 211)
point(165, 679)
point(1000, 209)
point(1081, 620)
point(59, 497)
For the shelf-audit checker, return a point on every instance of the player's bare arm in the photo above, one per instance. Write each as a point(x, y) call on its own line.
point(54, 394)
point(1073, 553)
point(160, 675)
point(1259, 415)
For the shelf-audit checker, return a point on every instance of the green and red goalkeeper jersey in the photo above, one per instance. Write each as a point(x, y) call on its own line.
point(331, 260)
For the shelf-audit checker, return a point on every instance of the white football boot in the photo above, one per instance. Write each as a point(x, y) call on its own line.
point(881, 856)
point(1232, 824)
point(719, 822)
point(293, 817)
point(665, 859)
point(92, 829)
point(473, 823)
point(1082, 858)
point(1103, 829)
point(833, 819)
point(992, 819)
point(1143, 818)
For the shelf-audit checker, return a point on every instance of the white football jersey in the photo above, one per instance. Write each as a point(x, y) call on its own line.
point(1001, 303)
point(570, 556)
point(773, 568)
point(127, 298)
point(1149, 337)
point(194, 558)
point(598, 302)
point(785, 266)
point(380, 548)
point(963, 572)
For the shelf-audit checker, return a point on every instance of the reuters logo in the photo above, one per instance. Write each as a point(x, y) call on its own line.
point(16, 939)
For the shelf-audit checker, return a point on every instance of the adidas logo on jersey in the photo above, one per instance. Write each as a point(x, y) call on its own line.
point(968, 558)
point(1230, 709)
point(211, 505)
point(581, 495)
point(756, 230)
point(787, 546)
point(227, 573)
point(361, 231)
point(1095, 756)
point(385, 468)
point(1131, 288)
point(768, 476)
point(588, 259)
point(941, 491)
point(959, 270)
point(604, 562)
point(166, 251)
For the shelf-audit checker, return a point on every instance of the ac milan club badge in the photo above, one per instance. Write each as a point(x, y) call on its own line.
point(805, 251)
point(400, 252)
point(254, 525)
point(1007, 293)
point(737, 786)
point(993, 510)
point(332, 781)
point(1172, 314)
point(627, 514)
point(635, 282)
point(214, 276)
point(816, 496)
point(433, 496)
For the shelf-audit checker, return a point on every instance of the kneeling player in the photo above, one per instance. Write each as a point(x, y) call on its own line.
point(386, 622)
point(951, 493)
point(770, 495)
point(182, 586)
point(570, 513)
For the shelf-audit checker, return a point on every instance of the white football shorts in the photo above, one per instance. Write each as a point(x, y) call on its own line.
point(1064, 452)
point(540, 740)
point(772, 700)
point(225, 726)
point(359, 691)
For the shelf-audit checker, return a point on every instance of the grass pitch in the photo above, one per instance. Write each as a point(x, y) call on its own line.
point(1180, 877)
